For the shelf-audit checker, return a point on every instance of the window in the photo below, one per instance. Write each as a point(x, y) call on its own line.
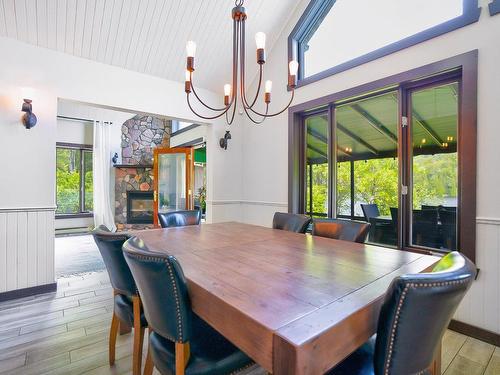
point(74, 180)
point(403, 159)
point(333, 36)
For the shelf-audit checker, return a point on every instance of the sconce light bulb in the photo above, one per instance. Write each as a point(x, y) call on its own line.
point(227, 89)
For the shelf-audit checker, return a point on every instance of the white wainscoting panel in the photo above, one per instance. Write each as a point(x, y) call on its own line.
point(481, 305)
point(26, 248)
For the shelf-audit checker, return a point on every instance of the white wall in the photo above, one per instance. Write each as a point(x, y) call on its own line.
point(265, 149)
point(47, 76)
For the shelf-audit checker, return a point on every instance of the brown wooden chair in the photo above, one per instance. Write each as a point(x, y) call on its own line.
point(338, 229)
point(127, 308)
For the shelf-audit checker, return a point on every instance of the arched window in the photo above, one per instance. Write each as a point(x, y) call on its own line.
point(336, 35)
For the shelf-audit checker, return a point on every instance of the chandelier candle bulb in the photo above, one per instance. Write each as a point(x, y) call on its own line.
point(187, 82)
point(227, 93)
point(190, 50)
point(260, 40)
point(293, 69)
point(267, 91)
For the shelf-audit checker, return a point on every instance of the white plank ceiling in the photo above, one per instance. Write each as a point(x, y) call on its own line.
point(147, 36)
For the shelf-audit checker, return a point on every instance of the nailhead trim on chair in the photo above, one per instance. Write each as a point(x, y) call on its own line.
point(177, 305)
point(398, 312)
point(241, 368)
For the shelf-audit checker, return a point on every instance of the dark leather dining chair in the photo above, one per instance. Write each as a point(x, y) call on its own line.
point(347, 230)
point(414, 316)
point(370, 210)
point(127, 308)
point(179, 218)
point(179, 341)
point(291, 222)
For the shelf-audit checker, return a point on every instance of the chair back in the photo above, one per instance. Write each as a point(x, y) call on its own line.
point(347, 230)
point(291, 222)
point(110, 247)
point(416, 313)
point(179, 218)
point(370, 210)
point(163, 290)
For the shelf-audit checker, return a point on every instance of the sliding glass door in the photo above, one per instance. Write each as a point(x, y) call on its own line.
point(367, 164)
point(433, 114)
point(395, 159)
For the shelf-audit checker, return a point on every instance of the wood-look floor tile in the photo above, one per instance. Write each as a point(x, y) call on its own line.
point(90, 363)
point(12, 362)
point(31, 338)
point(42, 366)
point(9, 333)
point(464, 366)
point(122, 366)
point(477, 351)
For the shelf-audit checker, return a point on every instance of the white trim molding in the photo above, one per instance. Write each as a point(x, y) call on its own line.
point(488, 220)
point(28, 209)
point(252, 203)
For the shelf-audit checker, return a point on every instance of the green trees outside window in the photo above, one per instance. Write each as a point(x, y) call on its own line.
point(74, 180)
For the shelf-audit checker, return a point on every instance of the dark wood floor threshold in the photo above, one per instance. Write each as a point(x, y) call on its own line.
point(476, 332)
point(28, 292)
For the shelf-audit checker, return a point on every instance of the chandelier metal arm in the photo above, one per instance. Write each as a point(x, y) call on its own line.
point(249, 115)
point(277, 113)
point(243, 73)
point(201, 101)
point(205, 117)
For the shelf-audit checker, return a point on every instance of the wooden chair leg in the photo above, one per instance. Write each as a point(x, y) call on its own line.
point(113, 333)
point(149, 366)
point(182, 352)
point(138, 336)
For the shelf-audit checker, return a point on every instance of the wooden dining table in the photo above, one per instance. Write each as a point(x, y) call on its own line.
point(294, 303)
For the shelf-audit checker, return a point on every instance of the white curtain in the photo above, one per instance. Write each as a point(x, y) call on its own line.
point(103, 213)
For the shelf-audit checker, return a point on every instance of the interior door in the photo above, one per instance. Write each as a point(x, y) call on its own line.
point(173, 169)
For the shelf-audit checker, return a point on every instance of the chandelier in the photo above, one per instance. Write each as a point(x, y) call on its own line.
point(231, 94)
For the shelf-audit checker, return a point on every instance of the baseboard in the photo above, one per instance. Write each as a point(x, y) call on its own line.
point(27, 292)
point(476, 332)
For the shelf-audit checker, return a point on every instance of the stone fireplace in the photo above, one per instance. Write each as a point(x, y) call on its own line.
point(134, 177)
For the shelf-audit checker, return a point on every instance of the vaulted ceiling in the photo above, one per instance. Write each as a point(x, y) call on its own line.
point(147, 36)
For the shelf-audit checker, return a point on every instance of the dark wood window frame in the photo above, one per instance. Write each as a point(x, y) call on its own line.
point(494, 7)
point(82, 213)
point(317, 10)
point(466, 66)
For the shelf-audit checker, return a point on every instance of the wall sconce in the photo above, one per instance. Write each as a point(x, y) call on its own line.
point(29, 118)
point(223, 141)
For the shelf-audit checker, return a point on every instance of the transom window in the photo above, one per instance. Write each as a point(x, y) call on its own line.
point(335, 35)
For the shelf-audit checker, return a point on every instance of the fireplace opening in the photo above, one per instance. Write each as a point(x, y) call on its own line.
point(140, 208)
